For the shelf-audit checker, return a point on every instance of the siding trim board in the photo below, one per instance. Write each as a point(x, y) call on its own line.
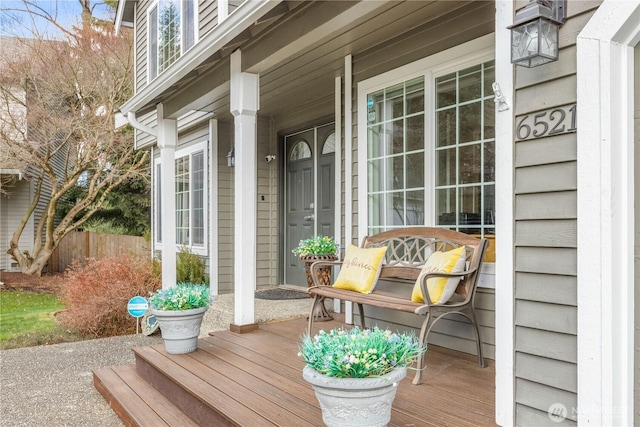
point(605, 209)
point(505, 331)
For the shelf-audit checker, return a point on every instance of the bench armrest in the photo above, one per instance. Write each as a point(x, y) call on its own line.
point(316, 266)
point(425, 291)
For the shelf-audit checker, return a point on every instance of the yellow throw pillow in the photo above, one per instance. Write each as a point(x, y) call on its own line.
point(441, 288)
point(360, 269)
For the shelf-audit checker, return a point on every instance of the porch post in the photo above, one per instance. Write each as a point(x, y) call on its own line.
point(167, 141)
point(244, 106)
point(504, 290)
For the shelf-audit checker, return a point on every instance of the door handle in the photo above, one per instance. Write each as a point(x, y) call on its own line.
point(310, 217)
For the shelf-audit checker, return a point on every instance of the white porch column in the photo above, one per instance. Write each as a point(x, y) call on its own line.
point(504, 290)
point(244, 106)
point(167, 141)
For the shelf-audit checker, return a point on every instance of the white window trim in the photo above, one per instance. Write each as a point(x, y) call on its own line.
point(196, 35)
point(454, 59)
point(202, 146)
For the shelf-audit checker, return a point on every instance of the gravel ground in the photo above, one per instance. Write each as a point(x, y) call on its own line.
point(53, 385)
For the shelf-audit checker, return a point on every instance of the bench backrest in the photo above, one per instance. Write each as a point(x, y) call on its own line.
point(408, 249)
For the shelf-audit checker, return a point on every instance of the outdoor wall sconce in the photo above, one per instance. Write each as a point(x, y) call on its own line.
point(534, 33)
point(231, 158)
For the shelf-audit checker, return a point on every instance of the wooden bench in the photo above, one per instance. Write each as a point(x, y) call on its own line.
point(407, 251)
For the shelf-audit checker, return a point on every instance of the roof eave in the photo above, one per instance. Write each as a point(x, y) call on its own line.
point(241, 19)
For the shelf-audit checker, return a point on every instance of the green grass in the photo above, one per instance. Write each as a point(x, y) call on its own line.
point(26, 319)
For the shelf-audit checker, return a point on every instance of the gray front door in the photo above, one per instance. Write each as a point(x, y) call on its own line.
point(310, 193)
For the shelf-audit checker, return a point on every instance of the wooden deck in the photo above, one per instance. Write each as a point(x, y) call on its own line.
point(255, 379)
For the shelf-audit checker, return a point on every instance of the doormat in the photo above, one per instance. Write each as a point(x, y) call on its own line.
point(280, 294)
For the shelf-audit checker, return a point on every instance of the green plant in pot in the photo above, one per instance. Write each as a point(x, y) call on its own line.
point(317, 248)
point(355, 373)
point(179, 310)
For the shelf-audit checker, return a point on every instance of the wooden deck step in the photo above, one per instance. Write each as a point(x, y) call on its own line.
point(254, 379)
point(135, 401)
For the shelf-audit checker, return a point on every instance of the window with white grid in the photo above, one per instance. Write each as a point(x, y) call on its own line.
point(431, 152)
point(172, 31)
point(190, 198)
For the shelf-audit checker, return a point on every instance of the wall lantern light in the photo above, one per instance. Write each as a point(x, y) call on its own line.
point(534, 33)
point(231, 158)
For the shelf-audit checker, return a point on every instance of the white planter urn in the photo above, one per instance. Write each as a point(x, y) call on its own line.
point(180, 328)
point(347, 402)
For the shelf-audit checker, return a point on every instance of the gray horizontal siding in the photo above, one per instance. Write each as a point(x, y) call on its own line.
point(267, 214)
point(546, 260)
point(225, 205)
point(528, 416)
point(543, 397)
point(549, 288)
point(545, 239)
point(556, 205)
point(556, 149)
point(547, 178)
point(141, 43)
point(207, 16)
point(546, 344)
point(547, 317)
point(555, 373)
point(547, 233)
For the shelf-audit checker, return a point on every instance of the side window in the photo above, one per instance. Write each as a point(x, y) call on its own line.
point(191, 199)
point(172, 31)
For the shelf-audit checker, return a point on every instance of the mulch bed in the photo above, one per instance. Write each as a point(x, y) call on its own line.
point(46, 284)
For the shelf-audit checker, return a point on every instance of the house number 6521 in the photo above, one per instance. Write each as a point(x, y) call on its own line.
point(547, 123)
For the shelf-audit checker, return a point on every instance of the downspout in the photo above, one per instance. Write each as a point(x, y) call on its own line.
point(133, 121)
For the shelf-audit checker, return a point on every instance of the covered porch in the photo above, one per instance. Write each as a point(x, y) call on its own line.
point(255, 379)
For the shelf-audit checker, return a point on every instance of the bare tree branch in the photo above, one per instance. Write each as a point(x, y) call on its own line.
point(57, 106)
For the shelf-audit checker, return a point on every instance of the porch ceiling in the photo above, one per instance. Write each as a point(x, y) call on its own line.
point(299, 50)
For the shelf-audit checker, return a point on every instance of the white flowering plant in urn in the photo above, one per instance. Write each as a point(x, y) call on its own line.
point(179, 311)
point(355, 373)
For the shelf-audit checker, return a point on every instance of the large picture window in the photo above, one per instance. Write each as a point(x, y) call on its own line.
point(430, 152)
point(172, 31)
point(190, 192)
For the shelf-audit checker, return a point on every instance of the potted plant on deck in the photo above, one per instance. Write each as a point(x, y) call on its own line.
point(317, 248)
point(179, 310)
point(355, 373)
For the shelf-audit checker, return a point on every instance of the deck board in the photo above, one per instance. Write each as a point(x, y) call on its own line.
point(456, 392)
point(255, 378)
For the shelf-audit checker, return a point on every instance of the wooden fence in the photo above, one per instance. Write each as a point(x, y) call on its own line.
point(81, 245)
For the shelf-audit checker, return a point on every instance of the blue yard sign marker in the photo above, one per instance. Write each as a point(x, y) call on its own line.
point(137, 306)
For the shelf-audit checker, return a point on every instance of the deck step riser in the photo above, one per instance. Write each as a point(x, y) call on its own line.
point(196, 409)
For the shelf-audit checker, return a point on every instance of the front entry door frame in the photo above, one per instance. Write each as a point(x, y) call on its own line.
point(318, 211)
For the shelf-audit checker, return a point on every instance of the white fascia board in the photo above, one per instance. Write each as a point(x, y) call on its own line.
point(234, 25)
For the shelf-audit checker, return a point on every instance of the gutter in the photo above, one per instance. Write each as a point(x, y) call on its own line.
point(119, 15)
point(249, 12)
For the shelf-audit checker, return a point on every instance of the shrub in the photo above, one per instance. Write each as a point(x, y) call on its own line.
point(190, 268)
point(96, 296)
